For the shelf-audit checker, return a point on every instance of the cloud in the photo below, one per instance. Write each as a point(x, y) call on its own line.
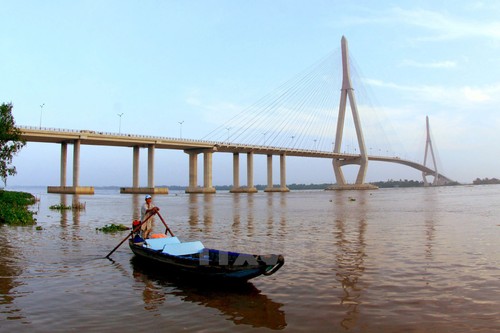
point(452, 96)
point(478, 95)
point(446, 26)
point(443, 26)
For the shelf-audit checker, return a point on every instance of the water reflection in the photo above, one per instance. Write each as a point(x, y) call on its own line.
point(70, 215)
point(64, 212)
point(72, 201)
point(242, 304)
point(152, 295)
point(208, 212)
point(236, 226)
point(250, 211)
point(200, 209)
point(193, 212)
point(274, 212)
point(76, 209)
point(350, 228)
point(283, 210)
point(270, 212)
point(9, 273)
point(430, 226)
point(136, 206)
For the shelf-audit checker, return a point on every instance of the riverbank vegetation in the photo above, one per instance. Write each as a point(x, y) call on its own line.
point(11, 142)
point(399, 183)
point(486, 181)
point(14, 208)
point(73, 206)
point(113, 228)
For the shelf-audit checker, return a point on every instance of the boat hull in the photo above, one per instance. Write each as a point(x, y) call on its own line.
point(212, 264)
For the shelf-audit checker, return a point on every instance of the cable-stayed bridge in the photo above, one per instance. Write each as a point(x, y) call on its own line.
point(296, 120)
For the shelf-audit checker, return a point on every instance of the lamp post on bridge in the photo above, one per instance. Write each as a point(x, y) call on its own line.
point(120, 123)
point(228, 129)
point(180, 123)
point(41, 110)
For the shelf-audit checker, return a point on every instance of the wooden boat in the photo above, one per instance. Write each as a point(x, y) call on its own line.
point(193, 259)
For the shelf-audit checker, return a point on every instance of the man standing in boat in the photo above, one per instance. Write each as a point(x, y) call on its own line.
point(147, 209)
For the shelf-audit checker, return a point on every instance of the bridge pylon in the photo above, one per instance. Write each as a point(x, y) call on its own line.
point(347, 93)
point(428, 148)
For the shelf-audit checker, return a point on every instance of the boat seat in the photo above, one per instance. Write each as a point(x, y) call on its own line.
point(158, 243)
point(183, 248)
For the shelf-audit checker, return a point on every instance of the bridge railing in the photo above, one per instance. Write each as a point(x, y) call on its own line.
point(139, 136)
point(209, 142)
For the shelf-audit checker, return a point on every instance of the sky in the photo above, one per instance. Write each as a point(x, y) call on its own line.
point(183, 68)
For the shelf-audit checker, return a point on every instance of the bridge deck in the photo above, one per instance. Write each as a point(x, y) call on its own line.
point(88, 137)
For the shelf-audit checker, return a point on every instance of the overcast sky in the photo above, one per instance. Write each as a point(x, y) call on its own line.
point(159, 63)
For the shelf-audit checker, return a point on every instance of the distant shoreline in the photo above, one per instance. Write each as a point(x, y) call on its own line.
point(294, 186)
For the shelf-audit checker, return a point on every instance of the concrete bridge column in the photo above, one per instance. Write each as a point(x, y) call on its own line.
point(151, 166)
point(193, 171)
point(250, 169)
point(270, 186)
point(250, 187)
point(283, 173)
point(75, 188)
point(135, 167)
point(269, 173)
point(236, 171)
point(76, 163)
point(347, 94)
point(236, 175)
point(64, 160)
point(207, 172)
point(150, 189)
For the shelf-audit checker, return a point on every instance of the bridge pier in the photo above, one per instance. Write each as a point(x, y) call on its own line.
point(135, 167)
point(64, 158)
point(150, 189)
point(193, 171)
point(428, 146)
point(347, 94)
point(270, 186)
point(250, 188)
point(236, 170)
point(76, 188)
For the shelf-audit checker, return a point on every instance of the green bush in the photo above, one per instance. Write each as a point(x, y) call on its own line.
point(113, 228)
point(74, 206)
point(60, 207)
point(14, 208)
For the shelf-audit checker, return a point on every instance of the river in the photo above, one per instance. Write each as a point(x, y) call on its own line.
point(387, 260)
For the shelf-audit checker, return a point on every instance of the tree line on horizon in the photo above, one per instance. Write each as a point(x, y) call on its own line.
point(486, 181)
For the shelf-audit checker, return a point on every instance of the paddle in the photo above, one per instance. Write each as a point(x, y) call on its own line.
point(131, 233)
point(166, 226)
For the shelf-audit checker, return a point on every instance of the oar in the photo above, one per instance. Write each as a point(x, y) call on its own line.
point(131, 233)
point(166, 226)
